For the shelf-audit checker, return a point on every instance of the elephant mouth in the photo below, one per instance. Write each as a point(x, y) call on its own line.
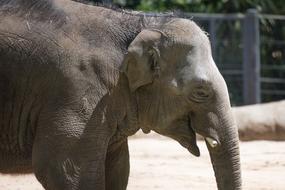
point(192, 146)
point(188, 139)
point(184, 131)
point(194, 149)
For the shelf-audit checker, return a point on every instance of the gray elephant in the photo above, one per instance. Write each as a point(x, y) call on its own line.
point(76, 80)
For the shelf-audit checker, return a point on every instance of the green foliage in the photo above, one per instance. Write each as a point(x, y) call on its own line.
point(206, 6)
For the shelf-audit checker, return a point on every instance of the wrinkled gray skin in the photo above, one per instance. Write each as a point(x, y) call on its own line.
point(76, 80)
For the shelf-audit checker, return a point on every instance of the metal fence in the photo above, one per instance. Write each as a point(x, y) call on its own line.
point(273, 58)
point(249, 50)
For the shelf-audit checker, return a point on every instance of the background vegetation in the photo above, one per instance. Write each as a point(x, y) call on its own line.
point(203, 6)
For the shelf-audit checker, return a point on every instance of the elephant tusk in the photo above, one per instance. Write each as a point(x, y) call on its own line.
point(213, 143)
point(174, 83)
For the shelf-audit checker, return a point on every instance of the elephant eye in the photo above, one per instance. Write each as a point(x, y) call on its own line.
point(190, 48)
point(201, 94)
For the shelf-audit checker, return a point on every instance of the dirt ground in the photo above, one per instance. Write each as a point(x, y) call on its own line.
point(162, 164)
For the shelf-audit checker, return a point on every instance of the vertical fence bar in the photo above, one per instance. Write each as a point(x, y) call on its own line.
point(106, 1)
point(251, 58)
point(212, 31)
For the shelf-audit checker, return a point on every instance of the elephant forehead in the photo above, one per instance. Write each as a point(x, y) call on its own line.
point(183, 25)
point(185, 31)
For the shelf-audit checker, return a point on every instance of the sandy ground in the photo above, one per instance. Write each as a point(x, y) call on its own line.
point(161, 164)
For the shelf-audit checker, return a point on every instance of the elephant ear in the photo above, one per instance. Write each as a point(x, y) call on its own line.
point(141, 62)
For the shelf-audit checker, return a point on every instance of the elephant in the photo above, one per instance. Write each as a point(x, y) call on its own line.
point(77, 79)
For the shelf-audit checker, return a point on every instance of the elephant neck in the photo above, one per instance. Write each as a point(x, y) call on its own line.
point(124, 105)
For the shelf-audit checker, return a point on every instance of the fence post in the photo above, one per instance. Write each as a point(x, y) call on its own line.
point(105, 1)
point(213, 38)
point(251, 58)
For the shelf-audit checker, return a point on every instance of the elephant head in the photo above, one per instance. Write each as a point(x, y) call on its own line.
point(180, 92)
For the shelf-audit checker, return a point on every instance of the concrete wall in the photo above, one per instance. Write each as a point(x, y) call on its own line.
point(261, 121)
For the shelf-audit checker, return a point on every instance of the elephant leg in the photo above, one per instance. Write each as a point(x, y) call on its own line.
point(69, 154)
point(63, 163)
point(117, 166)
point(91, 158)
point(53, 163)
point(54, 170)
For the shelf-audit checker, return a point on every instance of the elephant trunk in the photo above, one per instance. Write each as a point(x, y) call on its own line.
point(225, 157)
